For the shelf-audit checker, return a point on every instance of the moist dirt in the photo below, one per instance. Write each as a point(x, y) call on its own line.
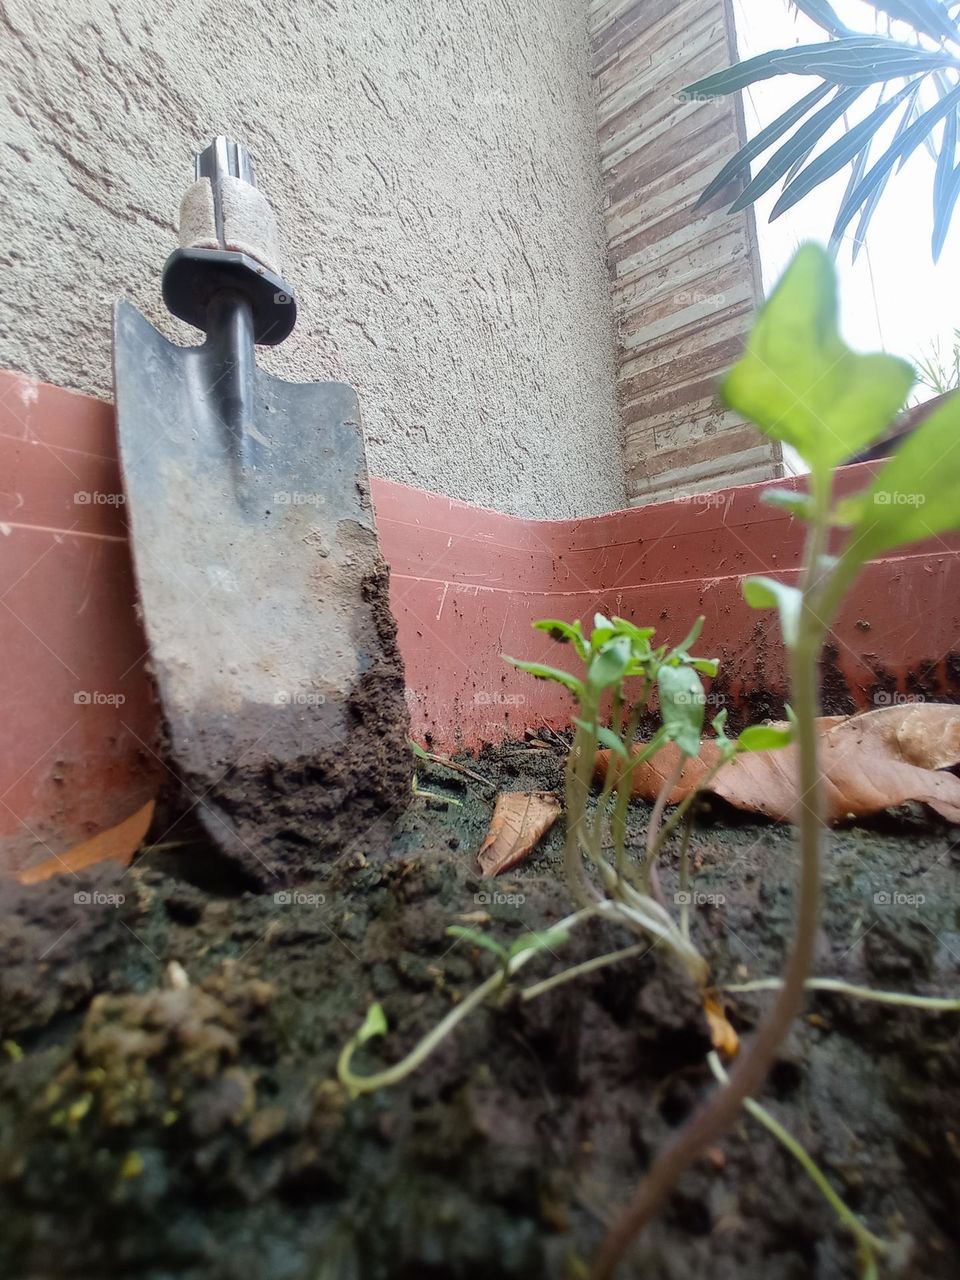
point(186, 1122)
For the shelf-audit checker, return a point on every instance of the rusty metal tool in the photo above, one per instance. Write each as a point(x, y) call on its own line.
point(263, 592)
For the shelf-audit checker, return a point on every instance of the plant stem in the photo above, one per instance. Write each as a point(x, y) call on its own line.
point(650, 877)
point(588, 966)
point(357, 1084)
point(710, 1121)
point(685, 877)
point(866, 1240)
point(934, 1004)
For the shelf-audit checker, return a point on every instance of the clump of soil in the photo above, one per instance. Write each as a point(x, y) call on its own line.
point(186, 1121)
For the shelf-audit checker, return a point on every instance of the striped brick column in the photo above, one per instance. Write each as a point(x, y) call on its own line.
point(685, 283)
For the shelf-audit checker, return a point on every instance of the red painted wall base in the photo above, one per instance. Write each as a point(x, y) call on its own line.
point(78, 748)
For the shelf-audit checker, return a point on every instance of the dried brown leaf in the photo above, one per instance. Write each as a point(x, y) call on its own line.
point(870, 762)
point(118, 844)
point(520, 819)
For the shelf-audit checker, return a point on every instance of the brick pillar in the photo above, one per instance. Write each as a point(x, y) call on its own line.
point(685, 284)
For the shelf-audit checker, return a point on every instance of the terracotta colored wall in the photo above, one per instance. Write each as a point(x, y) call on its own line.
point(685, 283)
point(466, 584)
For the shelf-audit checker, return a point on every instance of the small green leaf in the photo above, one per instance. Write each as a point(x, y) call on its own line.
point(563, 633)
point(610, 665)
point(543, 941)
point(639, 635)
point(542, 672)
point(478, 939)
point(798, 504)
point(763, 737)
point(682, 703)
point(417, 750)
point(692, 636)
point(915, 496)
point(706, 666)
point(606, 737)
point(799, 382)
point(768, 593)
point(374, 1024)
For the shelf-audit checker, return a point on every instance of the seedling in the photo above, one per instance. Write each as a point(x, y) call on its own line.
point(800, 384)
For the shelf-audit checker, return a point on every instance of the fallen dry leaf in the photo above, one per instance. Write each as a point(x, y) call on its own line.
point(118, 843)
point(870, 762)
point(520, 819)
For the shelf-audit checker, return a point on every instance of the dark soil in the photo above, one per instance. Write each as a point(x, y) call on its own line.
point(154, 1130)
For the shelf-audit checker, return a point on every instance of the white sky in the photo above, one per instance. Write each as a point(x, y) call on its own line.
point(894, 297)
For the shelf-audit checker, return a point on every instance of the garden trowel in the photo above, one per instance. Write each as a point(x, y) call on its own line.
point(263, 592)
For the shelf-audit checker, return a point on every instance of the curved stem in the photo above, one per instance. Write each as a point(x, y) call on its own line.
point(358, 1084)
point(934, 1004)
point(866, 1240)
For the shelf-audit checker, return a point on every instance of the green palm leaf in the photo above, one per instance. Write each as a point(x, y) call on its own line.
point(823, 15)
point(795, 147)
point(901, 148)
point(835, 157)
point(869, 208)
point(854, 60)
point(927, 16)
point(765, 138)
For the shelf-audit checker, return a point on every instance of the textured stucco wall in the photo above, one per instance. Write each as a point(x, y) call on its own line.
point(434, 169)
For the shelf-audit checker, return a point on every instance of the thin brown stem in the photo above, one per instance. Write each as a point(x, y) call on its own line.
point(711, 1120)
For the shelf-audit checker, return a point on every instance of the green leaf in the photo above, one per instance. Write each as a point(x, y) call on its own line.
point(740, 163)
point(768, 593)
point(606, 737)
point(836, 156)
point(798, 380)
point(417, 750)
point(854, 60)
point(824, 16)
point(682, 703)
point(563, 633)
point(763, 737)
point(798, 504)
point(541, 672)
point(640, 634)
point(374, 1024)
point(543, 941)
point(795, 148)
point(901, 148)
point(915, 496)
point(692, 636)
point(946, 186)
point(610, 664)
point(706, 666)
point(478, 939)
point(870, 205)
point(924, 15)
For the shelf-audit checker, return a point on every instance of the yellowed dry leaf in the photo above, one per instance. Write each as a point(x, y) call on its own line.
point(118, 844)
point(725, 1039)
point(520, 819)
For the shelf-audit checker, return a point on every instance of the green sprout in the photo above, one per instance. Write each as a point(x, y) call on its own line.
point(800, 384)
